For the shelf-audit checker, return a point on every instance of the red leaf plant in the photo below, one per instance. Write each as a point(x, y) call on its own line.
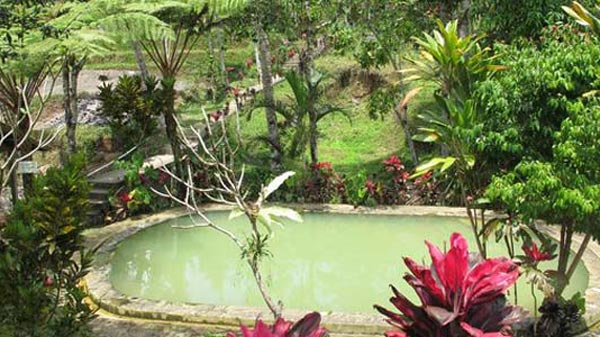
point(534, 254)
point(308, 326)
point(461, 295)
point(393, 164)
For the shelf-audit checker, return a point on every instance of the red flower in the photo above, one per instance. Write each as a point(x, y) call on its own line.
point(291, 53)
point(48, 281)
point(249, 63)
point(459, 288)
point(235, 91)
point(308, 326)
point(125, 197)
point(534, 253)
point(405, 176)
point(371, 187)
point(324, 165)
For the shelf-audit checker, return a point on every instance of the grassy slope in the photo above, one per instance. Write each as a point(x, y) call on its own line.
point(351, 146)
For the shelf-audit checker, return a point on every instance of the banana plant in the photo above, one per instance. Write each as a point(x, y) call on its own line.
point(451, 62)
point(457, 129)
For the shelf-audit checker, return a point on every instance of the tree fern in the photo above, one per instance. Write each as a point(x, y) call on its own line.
point(136, 27)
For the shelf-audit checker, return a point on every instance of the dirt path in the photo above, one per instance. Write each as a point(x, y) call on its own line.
point(89, 80)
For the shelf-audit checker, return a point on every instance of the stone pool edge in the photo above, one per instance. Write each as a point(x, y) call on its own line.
point(103, 294)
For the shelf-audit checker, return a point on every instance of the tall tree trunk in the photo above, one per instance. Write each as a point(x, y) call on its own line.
point(267, 83)
point(306, 57)
point(566, 240)
point(141, 62)
point(168, 85)
point(463, 19)
point(314, 153)
point(306, 66)
point(257, 59)
point(70, 74)
point(401, 111)
point(14, 186)
point(402, 115)
point(221, 44)
point(213, 78)
point(67, 106)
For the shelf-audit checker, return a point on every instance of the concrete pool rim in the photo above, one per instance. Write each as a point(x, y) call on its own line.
point(105, 296)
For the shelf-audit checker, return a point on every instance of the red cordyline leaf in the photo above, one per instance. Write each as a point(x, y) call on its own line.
point(308, 326)
point(474, 332)
point(533, 253)
point(460, 296)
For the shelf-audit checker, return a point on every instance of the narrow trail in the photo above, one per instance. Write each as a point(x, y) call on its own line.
point(89, 81)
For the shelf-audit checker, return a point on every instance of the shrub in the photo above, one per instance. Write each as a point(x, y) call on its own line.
point(392, 186)
point(39, 271)
point(323, 184)
point(560, 318)
point(136, 197)
point(131, 108)
point(462, 295)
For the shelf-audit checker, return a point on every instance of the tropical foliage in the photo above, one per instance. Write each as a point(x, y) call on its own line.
point(131, 109)
point(461, 295)
point(39, 270)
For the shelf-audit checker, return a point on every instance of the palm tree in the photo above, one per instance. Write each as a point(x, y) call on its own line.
point(302, 113)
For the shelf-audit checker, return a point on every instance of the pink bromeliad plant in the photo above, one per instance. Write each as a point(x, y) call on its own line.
point(308, 326)
point(461, 295)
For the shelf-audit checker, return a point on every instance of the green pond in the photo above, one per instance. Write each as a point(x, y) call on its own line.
point(330, 262)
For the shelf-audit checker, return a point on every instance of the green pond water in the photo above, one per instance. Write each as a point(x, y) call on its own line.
point(330, 262)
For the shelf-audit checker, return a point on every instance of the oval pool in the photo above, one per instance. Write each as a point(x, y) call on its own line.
point(330, 262)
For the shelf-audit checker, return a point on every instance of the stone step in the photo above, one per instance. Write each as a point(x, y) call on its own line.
point(95, 217)
point(100, 205)
point(98, 193)
point(108, 179)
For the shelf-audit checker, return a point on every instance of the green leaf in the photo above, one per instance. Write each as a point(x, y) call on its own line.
point(427, 137)
point(433, 164)
point(274, 185)
point(449, 162)
point(266, 221)
point(490, 227)
point(282, 212)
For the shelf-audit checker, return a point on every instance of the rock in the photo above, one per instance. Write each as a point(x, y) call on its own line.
point(89, 114)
